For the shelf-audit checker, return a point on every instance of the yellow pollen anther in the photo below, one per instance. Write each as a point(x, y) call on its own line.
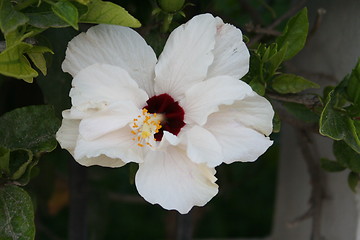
point(145, 126)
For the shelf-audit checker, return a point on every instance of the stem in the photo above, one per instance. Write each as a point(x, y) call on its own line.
point(166, 23)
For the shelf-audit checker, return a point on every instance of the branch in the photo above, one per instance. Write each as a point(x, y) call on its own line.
point(259, 30)
point(319, 17)
point(317, 180)
point(298, 5)
point(309, 100)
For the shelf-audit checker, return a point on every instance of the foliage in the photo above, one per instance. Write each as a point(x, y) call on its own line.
point(337, 113)
point(295, 34)
point(16, 214)
point(266, 60)
point(22, 22)
point(340, 122)
point(25, 133)
point(35, 34)
point(28, 132)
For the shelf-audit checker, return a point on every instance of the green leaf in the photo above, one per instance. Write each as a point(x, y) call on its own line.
point(256, 67)
point(276, 60)
point(10, 19)
point(4, 161)
point(301, 112)
point(290, 83)
point(16, 214)
point(14, 64)
point(83, 2)
point(26, 176)
point(257, 86)
point(19, 161)
point(46, 19)
point(31, 128)
point(337, 125)
point(295, 34)
point(326, 92)
point(331, 166)
point(132, 172)
point(56, 91)
point(353, 87)
point(36, 54)
point(268, 52)
point(40, 49)
point(353, 180)
point(346, 156)
point(108, 13)
point(67, 12)
point(276, 123)
point(16, 37)
point(39, 61)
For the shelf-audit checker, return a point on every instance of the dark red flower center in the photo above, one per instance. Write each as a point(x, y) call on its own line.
point(171, 111)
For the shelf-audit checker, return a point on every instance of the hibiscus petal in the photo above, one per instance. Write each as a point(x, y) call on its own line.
point(171, 179)
point(114, 45)
point(239, 143)
point(68, 133)
point(99, 85)
point(253, 111)
point(205, 97)
point(111, 119)
point(67, 136)
point(231, 56)
point(202, 147)
point(101, 160)
point(168, 139)
point(186, 56)
point(117, 144)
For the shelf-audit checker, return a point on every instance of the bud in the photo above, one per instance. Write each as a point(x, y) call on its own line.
point(171, 6)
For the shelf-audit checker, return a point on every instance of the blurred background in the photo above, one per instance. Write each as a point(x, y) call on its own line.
point(74, 202)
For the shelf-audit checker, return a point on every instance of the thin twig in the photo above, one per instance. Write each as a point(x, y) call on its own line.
point(259, 30)
point(297, 6)
point(319, 17)
point(309, 100)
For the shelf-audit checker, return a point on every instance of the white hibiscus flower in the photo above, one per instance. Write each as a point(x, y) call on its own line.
point(177, 117)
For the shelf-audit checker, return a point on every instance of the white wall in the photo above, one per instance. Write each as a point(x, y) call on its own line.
point(329, 55)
